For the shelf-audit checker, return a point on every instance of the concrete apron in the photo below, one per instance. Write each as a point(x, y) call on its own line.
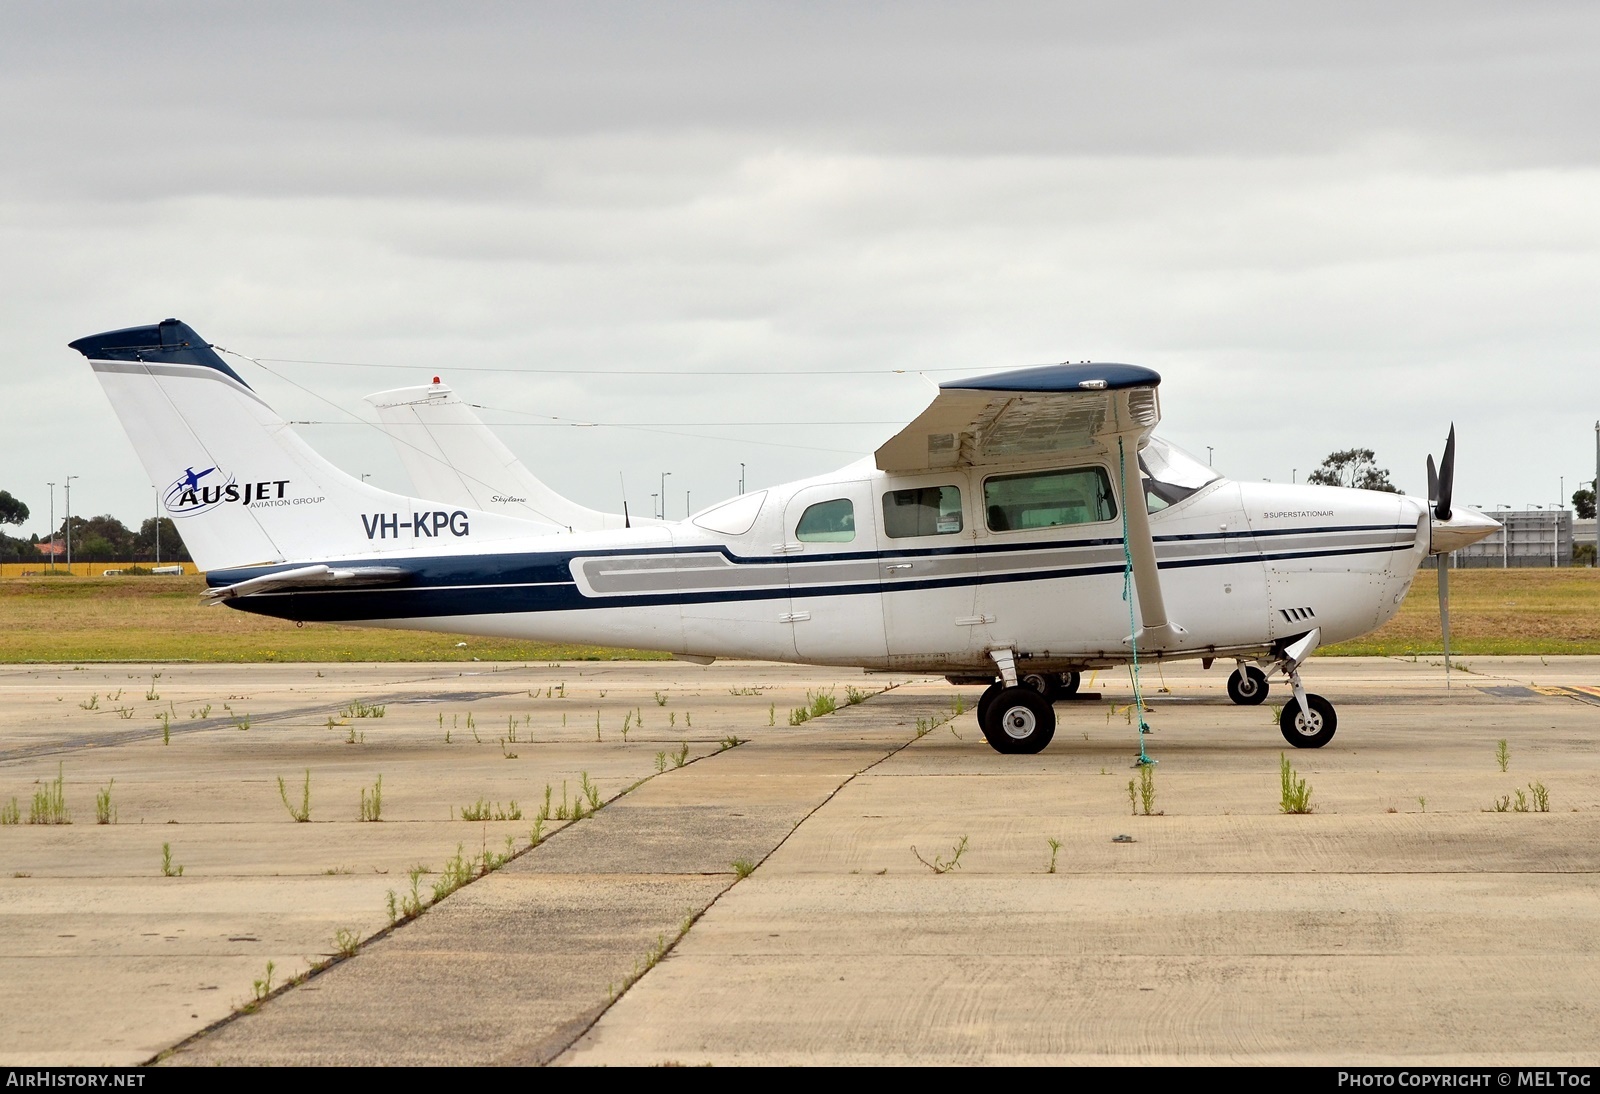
point(515, 967)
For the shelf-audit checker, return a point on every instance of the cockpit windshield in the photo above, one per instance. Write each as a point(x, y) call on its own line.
point(1170, 474)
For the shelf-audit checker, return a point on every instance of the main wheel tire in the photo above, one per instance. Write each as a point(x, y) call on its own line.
point(1019, 721)
point(1070, 682)
point(1045, 683)
point(1250, 689)
point(1308, 730)
point(986, 700)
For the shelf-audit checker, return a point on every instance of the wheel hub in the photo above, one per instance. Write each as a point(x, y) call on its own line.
point(1309, 724)
point(1019, 723)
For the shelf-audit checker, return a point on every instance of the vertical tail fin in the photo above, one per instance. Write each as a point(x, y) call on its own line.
point(243, 486)
point(453, 457)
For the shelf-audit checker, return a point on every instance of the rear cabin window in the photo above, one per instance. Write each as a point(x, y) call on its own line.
point(827, 522)
point(928, 511)
point(1048, 499)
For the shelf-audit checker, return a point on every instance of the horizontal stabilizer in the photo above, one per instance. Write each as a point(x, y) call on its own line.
point(307, 577)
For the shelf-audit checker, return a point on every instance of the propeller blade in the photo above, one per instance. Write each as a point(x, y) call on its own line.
point(1433, 481)
point(1447, 476)
point(1444, 612)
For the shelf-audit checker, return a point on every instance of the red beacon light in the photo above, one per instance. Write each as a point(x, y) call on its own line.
point(436, 379)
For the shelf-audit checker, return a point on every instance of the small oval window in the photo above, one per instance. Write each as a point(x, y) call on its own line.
point(827, 522)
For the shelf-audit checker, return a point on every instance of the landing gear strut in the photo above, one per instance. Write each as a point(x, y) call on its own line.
point(1053, 685)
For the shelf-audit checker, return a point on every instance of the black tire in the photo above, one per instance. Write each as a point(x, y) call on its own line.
point(987, 698)
point(1312, 732)
point(1019, 721)
point(1249, 690)
point(1045, 683)
point(1070, 682)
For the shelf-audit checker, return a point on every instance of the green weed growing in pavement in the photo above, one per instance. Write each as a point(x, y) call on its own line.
point(743, 868)
point(104, 811)
point(346, 941)
point(354, 738)
point(544, 810)
point(1147, 789)
point(393, 909)
point(1133, 798)
point(1295, 795)
point(360, 709)
point(263, 987)
point(681, 757)
point(563, 811)
point(485, 810)
point(661, 699)
point(1423, 803)
point(1522, 802)
point(150, 694)
point(940, 865)
point(772, 714)
point(853, 695)
point(627, 723)
point(1502, 803)
point(1541, 797)
point(50, 802)
point(1055, 849)
point(303, 814)
point(1502, 754)
point(592, 792)
point(536, 833)
point(125, 713)
point(730, 741)
point(93, 703)
point(372, 801)
point(411, 903)
point(661, 762)
point(166, 727)
point(167, 867)
point(456, 873)
point(10, 813)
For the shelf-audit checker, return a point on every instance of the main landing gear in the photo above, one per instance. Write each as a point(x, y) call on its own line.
point(1016, 720)
point(1053, 685)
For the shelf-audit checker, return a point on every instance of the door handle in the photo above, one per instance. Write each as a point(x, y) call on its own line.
point(898, 566)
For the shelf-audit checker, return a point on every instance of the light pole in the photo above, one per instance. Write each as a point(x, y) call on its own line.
point(741, 463)
point(1208, 455)
point(664, 475)
point(52, 527)
point(686, 508)
point(653, 511)
point(155, 493)
point(69, 520)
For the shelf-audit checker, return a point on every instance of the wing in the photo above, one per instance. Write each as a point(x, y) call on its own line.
point(1046, 412)
point(1043, 415)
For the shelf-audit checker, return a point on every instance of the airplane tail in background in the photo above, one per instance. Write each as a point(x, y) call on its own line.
point(243, 488)
point(453, 457)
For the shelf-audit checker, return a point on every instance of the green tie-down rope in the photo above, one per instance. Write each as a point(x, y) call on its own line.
point(1127, 595)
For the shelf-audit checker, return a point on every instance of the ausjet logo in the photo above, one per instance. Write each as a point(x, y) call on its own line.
point(199, 491)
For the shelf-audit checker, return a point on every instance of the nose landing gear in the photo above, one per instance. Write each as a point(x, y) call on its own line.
point(1308, 721)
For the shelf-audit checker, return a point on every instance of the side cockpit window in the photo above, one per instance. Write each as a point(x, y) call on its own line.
point(1048, 499)
point(928, 511)
point(827, 522)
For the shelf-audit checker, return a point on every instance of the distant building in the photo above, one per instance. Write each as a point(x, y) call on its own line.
point(52, 548)
point(1527, 537)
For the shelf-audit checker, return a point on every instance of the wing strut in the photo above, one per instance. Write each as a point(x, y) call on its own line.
point(1156, 631)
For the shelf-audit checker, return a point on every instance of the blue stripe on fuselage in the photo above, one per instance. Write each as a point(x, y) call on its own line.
point(495, 584)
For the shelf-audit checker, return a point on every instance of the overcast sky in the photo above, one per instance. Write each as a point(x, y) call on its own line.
point(742, 230)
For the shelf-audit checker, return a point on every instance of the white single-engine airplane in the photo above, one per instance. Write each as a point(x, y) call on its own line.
point(1025, 527)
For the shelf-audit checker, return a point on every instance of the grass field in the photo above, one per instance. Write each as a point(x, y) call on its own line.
point(161, 619)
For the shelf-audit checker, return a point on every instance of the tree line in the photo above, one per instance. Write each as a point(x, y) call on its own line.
point(94, 539)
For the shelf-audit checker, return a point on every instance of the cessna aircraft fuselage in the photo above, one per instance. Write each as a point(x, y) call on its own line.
point(918, 573)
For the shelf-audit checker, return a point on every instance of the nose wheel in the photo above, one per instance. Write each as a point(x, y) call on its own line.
point(1247, 686)
point(1311, 728)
